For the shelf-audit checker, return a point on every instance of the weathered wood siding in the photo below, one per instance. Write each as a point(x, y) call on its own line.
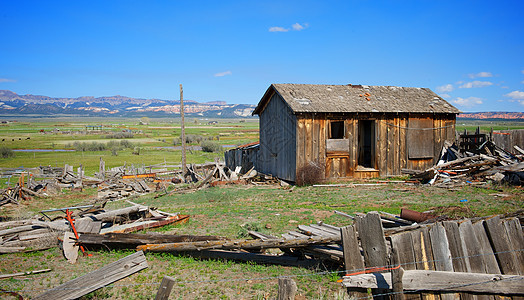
point(277, 140)
point(392, 132)
point(506, 139)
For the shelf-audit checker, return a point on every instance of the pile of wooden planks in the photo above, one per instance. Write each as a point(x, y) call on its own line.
point(44, 232)
point(122, 188)
point(490, 163)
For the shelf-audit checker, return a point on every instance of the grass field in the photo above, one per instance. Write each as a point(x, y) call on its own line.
point(227, 211)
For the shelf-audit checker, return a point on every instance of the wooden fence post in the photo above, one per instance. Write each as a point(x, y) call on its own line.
point(165, 288)
point(287, 288)
point(396, 276)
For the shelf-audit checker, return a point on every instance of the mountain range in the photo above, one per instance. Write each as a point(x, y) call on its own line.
point(12, 104)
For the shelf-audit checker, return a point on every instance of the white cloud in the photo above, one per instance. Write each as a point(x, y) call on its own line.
point(516, 95)
point(522, 71)
point(467, 102)
point(7, 80)
point(295, 27)
point(481, 74)
point(278, 29)
point(522, 82)
point(299, 27)
point(221, 74)
point(445, 88)
point(445, 96)
point(475, 84)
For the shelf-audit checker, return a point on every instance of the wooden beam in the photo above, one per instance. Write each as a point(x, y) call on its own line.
point(238, 244)
point(97, 279)
point(420, 280)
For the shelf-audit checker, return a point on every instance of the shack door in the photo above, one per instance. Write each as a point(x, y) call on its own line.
point(337, 150)
point(366, 144)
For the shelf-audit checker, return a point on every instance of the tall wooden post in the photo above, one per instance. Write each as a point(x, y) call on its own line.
point(183, 134)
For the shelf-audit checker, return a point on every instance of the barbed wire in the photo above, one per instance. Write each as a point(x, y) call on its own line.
point(281, 276)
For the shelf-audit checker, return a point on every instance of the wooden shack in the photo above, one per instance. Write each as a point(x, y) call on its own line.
point(351, 130)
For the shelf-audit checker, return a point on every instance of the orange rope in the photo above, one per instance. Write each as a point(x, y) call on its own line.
point(372, 270)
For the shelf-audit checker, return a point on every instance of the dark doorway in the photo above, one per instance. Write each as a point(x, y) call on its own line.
point(366, 145)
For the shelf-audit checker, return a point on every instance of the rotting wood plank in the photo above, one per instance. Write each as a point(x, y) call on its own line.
point(397, 272)
point(515, 235)
point(457, 251)
point(3, 276)
point(403, 244)
point(441, 253)
point(315, 231)
point(440, 246)
point(353, 260)
point(69, 247)
point(423, 254)
point(455, 246)
point(131, 240)
point(327, 230)
point(490, 262)
point(506, 258)
point(442, 281)
point(238, 244)
point(372, 239)
point(473, 253)
point(97, 279)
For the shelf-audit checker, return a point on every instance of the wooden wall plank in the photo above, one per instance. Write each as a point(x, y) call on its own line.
point(506, 258)
point(403, 152)
point(490, 262)
point(516, 238)
point(473, 252)
point(372, 239)
point(458, 254)
point(396, 147)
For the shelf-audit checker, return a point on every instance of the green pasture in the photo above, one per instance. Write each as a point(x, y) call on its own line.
point(155, 140)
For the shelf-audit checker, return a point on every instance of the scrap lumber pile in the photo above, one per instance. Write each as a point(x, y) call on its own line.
point(121, 188)
point(490, 163)
point(44, 232)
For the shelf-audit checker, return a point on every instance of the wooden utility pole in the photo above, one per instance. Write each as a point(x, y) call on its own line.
point(183, 135)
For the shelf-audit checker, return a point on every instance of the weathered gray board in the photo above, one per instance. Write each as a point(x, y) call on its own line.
point(98, 279)
point(417, 280)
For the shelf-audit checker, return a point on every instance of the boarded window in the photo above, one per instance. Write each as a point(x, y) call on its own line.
point(420, 138)
point(337, 130)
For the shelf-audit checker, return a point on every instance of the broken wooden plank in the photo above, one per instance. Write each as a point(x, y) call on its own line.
point(13, 249)
point(98, 279)
point(3, 276)
point(372, 239)
point(69, 247)
point(132, 240)
point(441, 281)
point(506, 258)
point(132, 227)
point(237, 244)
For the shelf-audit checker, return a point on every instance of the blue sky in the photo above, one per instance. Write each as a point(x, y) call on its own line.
point(469, 52)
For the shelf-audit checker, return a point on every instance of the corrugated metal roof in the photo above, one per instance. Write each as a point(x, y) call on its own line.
point(304, 98)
